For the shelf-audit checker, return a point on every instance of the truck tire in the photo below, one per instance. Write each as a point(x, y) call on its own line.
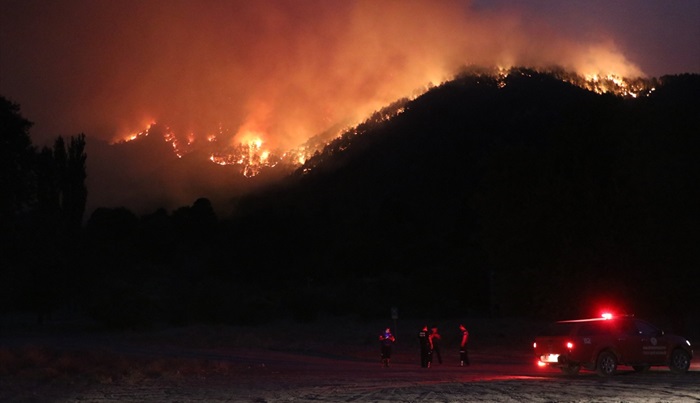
point(607, 364)
point(680, 361)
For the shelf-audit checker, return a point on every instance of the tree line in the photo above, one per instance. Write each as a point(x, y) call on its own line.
point(42, 204)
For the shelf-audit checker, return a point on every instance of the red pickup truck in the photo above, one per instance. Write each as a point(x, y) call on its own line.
point(601, 344)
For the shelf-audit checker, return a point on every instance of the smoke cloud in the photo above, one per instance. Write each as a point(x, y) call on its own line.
point(281, 70)
point(284, 69)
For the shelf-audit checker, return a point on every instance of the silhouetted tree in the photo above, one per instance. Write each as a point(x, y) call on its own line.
point(16, 190)
point(16, 156)
point(61, 189)
point(73, 184)
point(114, 225)
point(47, 188)
point(195, 222)
point(41, 195)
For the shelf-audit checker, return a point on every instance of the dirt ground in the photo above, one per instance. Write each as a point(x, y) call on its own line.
point(332, 361)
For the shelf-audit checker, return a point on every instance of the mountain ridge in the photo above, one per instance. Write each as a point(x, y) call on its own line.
point(257, 159)
point(517, 195)
point(539, 179)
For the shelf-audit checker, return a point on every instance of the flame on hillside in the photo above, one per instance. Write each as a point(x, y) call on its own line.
point(137, 135)
point(618, 85)
point(250, 151)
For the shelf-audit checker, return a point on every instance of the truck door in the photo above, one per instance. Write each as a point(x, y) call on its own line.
point(629, 342)
point(652, 342)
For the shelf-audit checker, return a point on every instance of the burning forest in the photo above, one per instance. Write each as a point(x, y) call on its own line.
point(249, 153)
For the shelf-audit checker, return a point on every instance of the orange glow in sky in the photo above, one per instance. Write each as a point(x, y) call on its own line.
point(285, 70)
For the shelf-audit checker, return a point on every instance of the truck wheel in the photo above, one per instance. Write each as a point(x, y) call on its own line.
point(571, 369)
point(607, 364)
point(680, 361)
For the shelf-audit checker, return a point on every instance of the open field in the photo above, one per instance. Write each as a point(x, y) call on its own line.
point(329, 361)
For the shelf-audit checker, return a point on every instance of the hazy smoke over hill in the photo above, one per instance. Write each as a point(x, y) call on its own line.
point(281, 71)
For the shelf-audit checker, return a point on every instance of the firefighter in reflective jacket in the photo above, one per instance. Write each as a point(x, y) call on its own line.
point(463, 353)
point(435, 340)
point(387, 339)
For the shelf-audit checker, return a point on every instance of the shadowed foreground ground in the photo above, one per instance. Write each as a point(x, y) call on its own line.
point(332, 361)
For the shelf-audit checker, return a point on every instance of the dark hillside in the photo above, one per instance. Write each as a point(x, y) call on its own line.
point(516, 194)
point(520, 195)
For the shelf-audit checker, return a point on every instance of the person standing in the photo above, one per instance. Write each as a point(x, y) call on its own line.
point(463, 353)
point(425, 347)
point(387, 340)
point(435, 340)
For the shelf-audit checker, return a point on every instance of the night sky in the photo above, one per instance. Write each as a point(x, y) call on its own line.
point(289, 69)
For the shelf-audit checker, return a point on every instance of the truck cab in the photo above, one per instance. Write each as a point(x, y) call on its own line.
point(601, 344)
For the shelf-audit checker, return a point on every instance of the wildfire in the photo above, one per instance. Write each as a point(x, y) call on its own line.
point(251, 154)
point(169, 137)
point(134, 136)
point(617, 85)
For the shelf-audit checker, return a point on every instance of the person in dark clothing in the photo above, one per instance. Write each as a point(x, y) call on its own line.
point(435, 340)
point(425, 347)
point(463, 353)
point(387, 340)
